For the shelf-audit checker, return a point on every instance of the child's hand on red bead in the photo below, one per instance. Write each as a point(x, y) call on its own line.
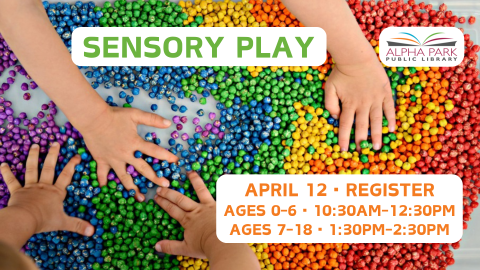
point(40, 201)
point(113, 139)
point(365, 94)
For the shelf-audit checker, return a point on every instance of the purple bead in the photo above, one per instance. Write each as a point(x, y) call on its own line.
point(176, 119)
point(185, 136)
point(44, 107)
point(22, 115)
point(183, 119)
point(217, 123)
point(205, 133)
point(130, 169)
point(5, 86)
point(212, 115)
point(12, 73)
point(35, 121)
point(10, 80)
point(221, 134)
point(27, 96)
point(174, 134)
point(33, 85)
point(40, 115)
point(9, 111)
point(208, 126)
point(110, 176)
point(24, 86)
point(215, 130)
point(179, 126)
point(51, 104)
point(196, 121)
point(198, 129)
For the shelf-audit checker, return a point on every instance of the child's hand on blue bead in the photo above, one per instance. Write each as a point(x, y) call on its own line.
point(113, 140)
point(41, 199)
point(365, 94)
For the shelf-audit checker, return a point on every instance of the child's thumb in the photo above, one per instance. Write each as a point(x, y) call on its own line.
point(79, 226)
point(172, 247)
point(332, 103)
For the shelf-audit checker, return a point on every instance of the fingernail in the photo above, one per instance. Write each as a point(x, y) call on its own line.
point(35, 146)
point(376, 146)
point(4, 164)
point(158, 247)
point(391, 129)
point(155, 197)
point(343, 149)
point(335, 116)
point(141, 198)
point(166, 122)
point(55, 144)
point(159, 189)
point(89, 231)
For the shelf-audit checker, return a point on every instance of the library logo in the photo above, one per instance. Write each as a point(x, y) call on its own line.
point(421, 46)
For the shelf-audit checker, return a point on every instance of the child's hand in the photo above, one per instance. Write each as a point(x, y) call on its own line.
point(200, 236)
point(41, 201)
point(365, 93)
point(198, 219)
point(113, 139)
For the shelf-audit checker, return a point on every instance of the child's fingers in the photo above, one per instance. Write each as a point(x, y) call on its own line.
point(31, 168)
point(65, 177)
point(146, 170)
point(361, 126)
point(102, 173)
point(376, 119)
point(346, 122)
point(48, 169)
point(389, 110)
point(177, 198)
point(332, 103)
point(78, 225)
point(127, 181)
point(155, 151)
point(9, 178)
point(150, 119)
point(172, 209)
point(173, 247)
point(199, 186)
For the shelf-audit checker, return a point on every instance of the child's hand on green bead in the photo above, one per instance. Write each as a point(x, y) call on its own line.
point(40, 201)
point(198, 219)
point(365, 94)
point(113, 140)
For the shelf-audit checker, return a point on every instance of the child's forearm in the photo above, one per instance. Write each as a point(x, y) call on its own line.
point(18, 225)
point(28, 31)
point(345, 40)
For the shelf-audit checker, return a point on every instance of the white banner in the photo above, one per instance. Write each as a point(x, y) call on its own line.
point(339, 209)
point(171, 46)
point(421, 46)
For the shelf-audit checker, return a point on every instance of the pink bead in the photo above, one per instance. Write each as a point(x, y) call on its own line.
point(196, 120)
point(179, 126)
point(221, 134)
point(208, 126)
point(176, 119)
point(205, 133)
point(185, 136)
point(183, 119)
point(198, 129)
point(174, 134)
point(217, 123)
point(212, 115)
